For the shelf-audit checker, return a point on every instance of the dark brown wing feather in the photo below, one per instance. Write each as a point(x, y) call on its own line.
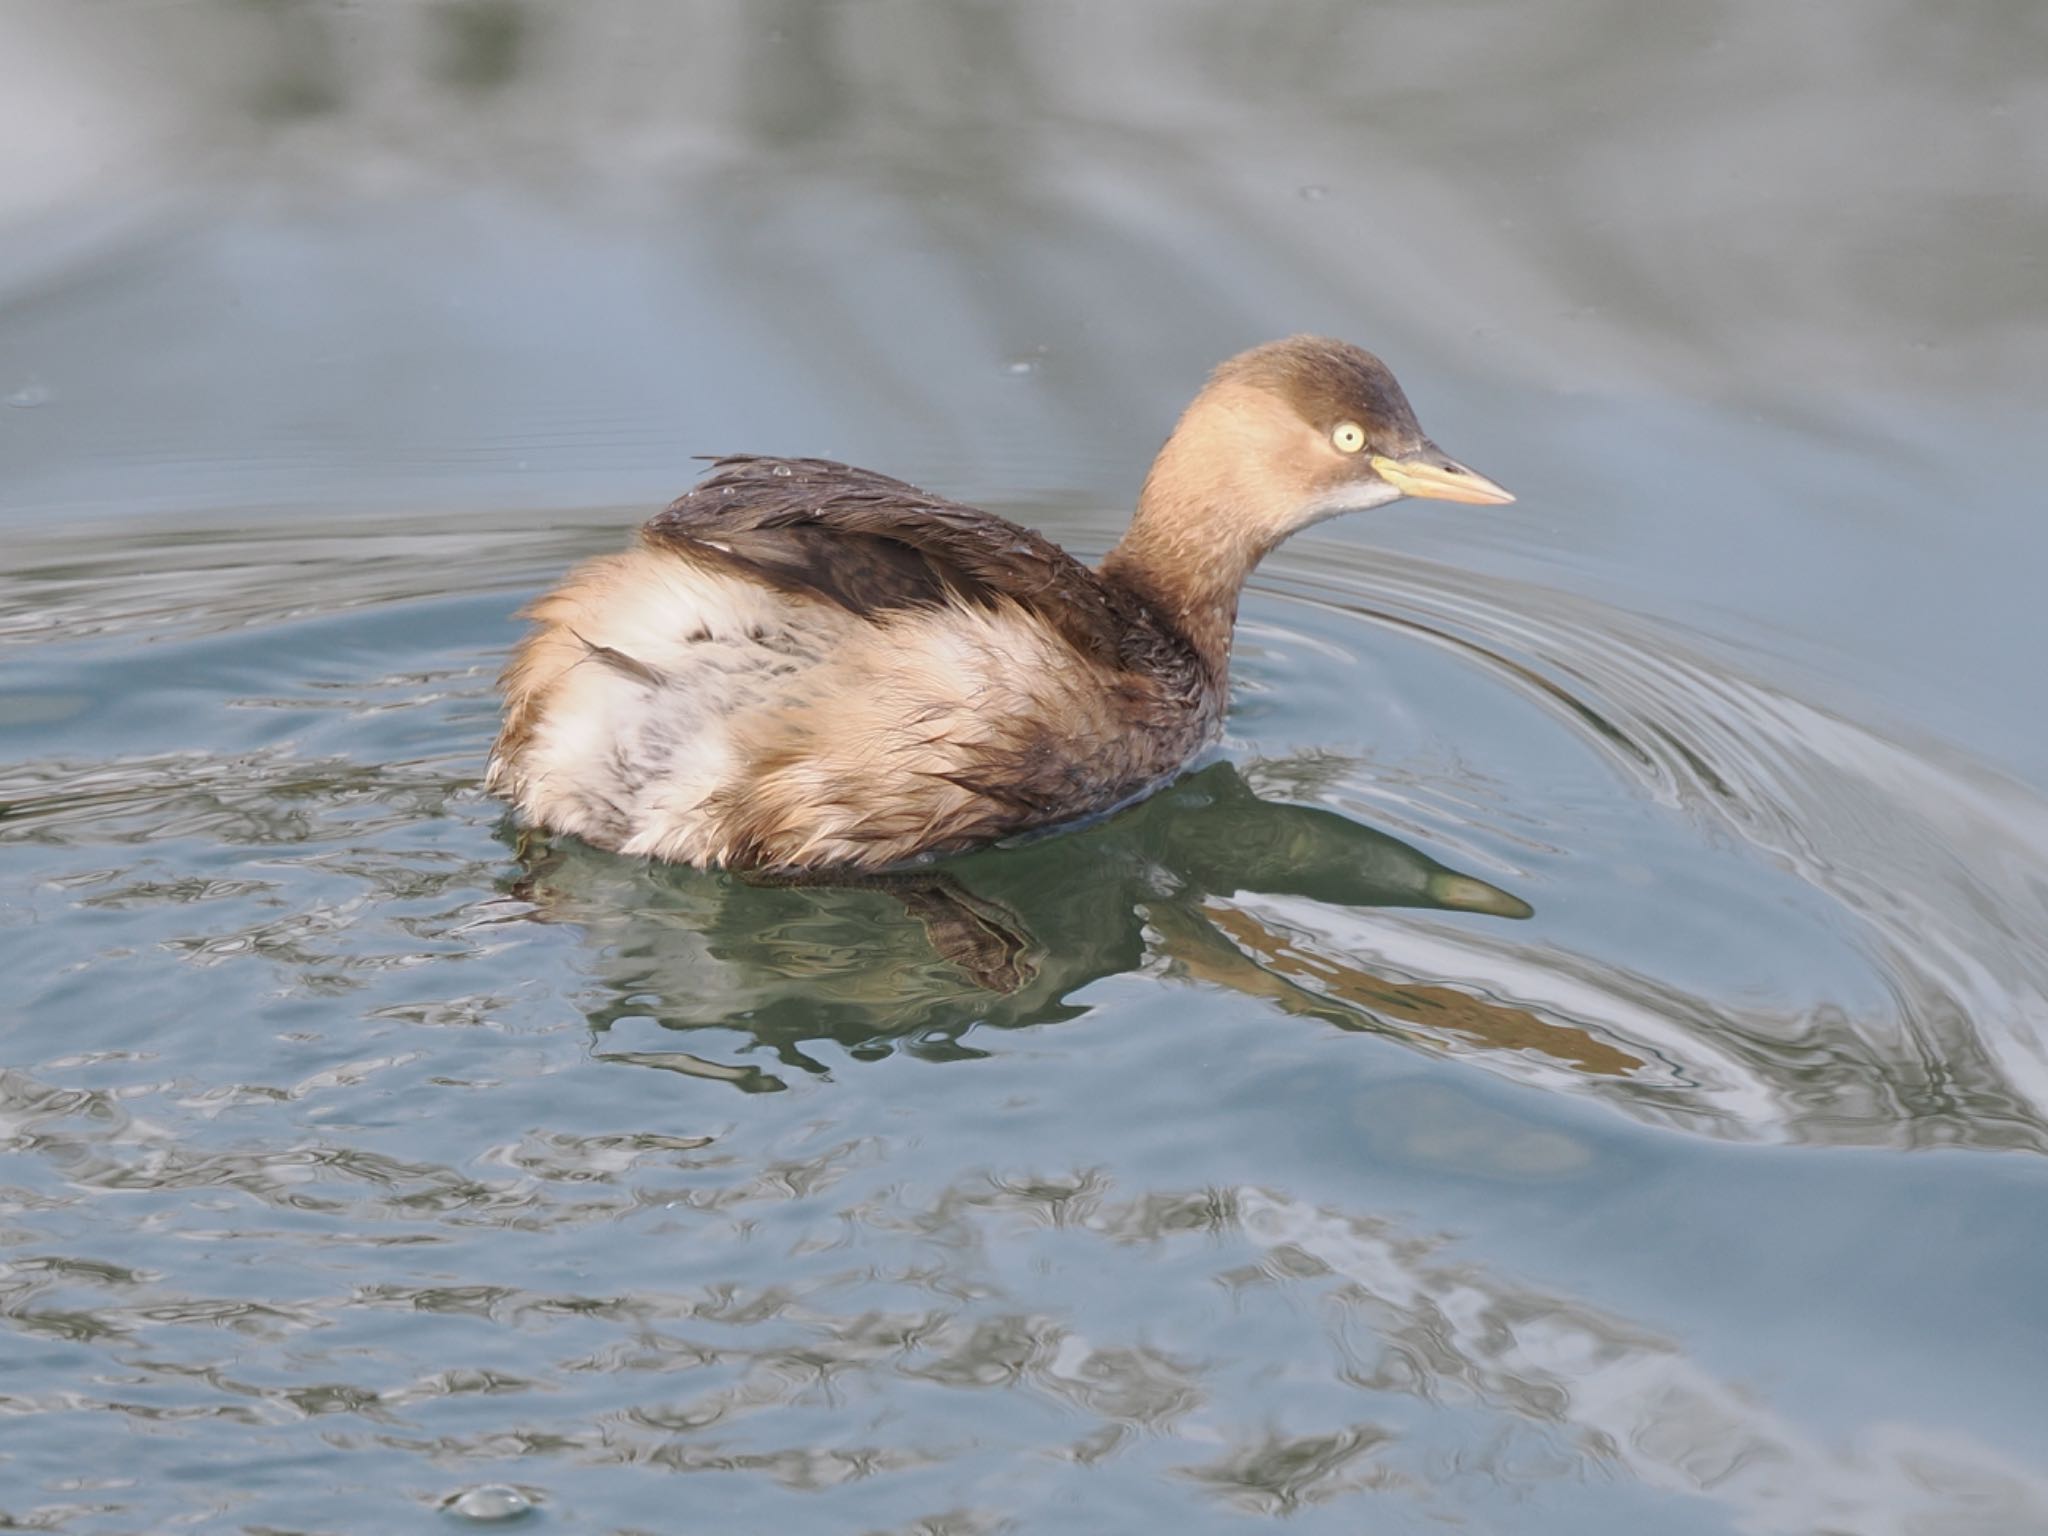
point(870, 543)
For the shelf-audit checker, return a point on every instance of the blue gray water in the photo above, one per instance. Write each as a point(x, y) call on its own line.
point(1241, 1166)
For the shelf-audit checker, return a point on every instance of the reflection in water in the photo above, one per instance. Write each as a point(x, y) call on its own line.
point(1932, 863)
point(1008, 936)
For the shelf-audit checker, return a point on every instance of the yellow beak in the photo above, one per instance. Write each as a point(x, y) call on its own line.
point(1428, 472)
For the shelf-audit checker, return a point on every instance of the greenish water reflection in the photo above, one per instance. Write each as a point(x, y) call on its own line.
point(1005, 938)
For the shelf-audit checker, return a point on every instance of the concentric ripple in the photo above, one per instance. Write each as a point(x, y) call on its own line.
point(1936, 866)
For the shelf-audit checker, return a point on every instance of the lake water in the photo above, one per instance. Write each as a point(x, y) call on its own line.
point(1236, 1162)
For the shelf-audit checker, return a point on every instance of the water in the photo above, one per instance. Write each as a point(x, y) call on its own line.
point(370, 1167)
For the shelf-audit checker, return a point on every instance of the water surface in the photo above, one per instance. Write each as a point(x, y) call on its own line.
point(1575, 1061)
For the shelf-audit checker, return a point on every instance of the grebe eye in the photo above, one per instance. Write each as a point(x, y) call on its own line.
point(1349, 437)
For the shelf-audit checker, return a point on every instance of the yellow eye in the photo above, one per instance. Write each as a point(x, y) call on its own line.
point(1349, 437)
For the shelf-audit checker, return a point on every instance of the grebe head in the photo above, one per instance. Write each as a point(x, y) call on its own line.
point(1295, 431)
point(1281, 437)
point(1343, 436)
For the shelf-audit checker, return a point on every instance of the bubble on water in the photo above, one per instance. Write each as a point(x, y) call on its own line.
point(1314, 192)
point(492, 1501)
point(1025, 362)
point(29, 396)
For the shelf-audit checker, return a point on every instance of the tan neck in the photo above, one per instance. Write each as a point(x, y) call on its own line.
point(1193, 584)
point(1207, 514)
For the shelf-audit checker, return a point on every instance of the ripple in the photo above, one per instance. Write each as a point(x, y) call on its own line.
point(1933, 862)
point(349, 1125)
point(209, 579)
point(1937, 862)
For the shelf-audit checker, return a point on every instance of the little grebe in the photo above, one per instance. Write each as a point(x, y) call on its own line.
point(804, 666)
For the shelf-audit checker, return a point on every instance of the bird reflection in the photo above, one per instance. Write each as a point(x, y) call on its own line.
point(1008, 937)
